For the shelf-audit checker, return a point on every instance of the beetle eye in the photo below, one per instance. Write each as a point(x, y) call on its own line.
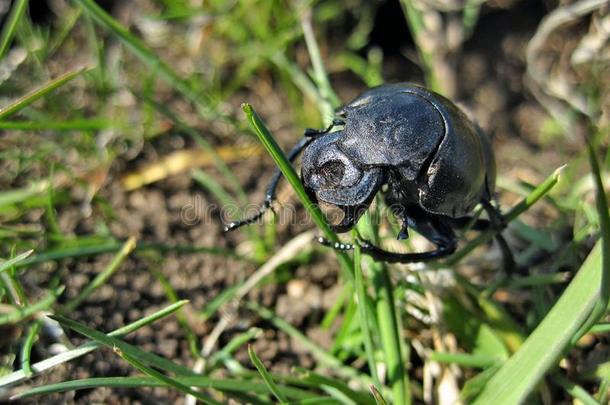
point(332, 172)
point(337, 172)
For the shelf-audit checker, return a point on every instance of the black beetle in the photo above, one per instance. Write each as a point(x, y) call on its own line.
point(436, 163)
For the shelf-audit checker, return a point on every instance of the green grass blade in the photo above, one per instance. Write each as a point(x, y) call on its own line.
point(227, 385)
point(88, 347)
point(387, 317)
point(478, 360)
point(204, 144)
point(602, 394)
point(537, 280)
point(111, 342)
point(600, 328)
point(346, 330)
point(504, 326)
point(10, 25)
point(273, 388)
point(575, 390)
point(88, 383)
point(73, 125)
point(14, 289)
point(474, 385)
point(185, 325)
point(540, 191)
point(164, 379)
point(365, 322)
point(524, 370)
point(299, 78)
point(149, 58)
point(470, 16)
point(110, 247)
point(335, 385)
point(289, 173)
point(26, 350)
point(209, 183)
point(218, 301)
point(415, 21)
point(68, 22)
point(7, 264)
point(101, 278)
point(379, 400)
point(320, 354)
point(285, 166)
point(604, 223)
point(19, 195)
point(35, 94)
point(132, 327)
point(328, 99)
point(316, 401)
point(225, 352)
point(335, 310)
point(22, 313)
point(49, 204)
point(390, 335)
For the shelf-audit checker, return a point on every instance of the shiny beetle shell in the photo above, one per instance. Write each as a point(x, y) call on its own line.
point(446, 163)
point(432, 164)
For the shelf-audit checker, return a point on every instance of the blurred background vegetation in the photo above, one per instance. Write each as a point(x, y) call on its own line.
point(123, 148)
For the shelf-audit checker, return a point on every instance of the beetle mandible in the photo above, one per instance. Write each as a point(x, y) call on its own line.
point(436, 163)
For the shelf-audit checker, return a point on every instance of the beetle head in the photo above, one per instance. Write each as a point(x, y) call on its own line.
point(341, 187)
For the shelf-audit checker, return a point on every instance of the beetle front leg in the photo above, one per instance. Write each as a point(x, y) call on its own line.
point(271, 189)
point(380, 254)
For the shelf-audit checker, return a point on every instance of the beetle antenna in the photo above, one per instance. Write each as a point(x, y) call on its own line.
point(247, 221)
point(270, 194)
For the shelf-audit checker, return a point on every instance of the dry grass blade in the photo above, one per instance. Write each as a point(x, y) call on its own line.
point(182, 161)
point(229, 310)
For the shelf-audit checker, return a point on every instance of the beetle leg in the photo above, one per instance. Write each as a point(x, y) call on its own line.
point(498, 223)
point(391, 257)
point(433, 229)
point(380, 254)
point(313, 133)
point(271, 189)
point(495, 216)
